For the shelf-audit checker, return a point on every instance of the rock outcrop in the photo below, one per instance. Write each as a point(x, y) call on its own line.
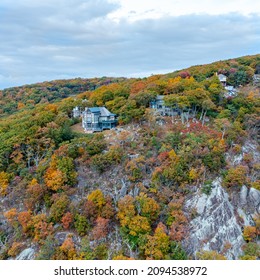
point(215, 227)
point(220, 219)
point(27, 254)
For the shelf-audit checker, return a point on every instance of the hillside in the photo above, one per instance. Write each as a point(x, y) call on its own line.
point(155, 187)
point(26, 97)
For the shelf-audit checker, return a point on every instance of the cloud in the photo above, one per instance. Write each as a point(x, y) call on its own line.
point(45, 40)
point(155, 8)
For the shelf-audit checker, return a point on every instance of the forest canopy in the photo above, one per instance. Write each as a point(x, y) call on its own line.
point(128, 185)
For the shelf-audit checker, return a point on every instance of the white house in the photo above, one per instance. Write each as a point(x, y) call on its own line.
point(223, 79)
point(98, 119)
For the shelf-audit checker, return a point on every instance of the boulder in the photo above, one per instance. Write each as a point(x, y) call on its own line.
point(26, 254)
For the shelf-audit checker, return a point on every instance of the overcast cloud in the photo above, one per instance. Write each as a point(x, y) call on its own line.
point(54, 39)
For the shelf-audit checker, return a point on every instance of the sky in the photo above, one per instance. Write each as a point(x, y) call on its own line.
point(60, 39)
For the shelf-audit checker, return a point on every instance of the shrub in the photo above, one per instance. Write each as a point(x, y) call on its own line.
point(236, 177)
point(58, 207)
point(207, 188)
point(249, 233)
point(81, 225)
point(15, 249)
point(210, 255)
point(252, 249)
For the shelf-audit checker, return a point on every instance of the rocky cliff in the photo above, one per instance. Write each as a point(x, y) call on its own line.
point(220, 218)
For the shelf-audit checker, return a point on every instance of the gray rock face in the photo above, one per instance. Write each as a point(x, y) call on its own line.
point(216, 224)
point(247, 203)
point(124, 189)
point(243, 195)
point(27, 254)
point(254, 197)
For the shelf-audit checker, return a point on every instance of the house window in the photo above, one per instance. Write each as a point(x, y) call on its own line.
point(95, 118)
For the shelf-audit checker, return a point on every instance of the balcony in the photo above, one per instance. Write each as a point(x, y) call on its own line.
point(109, 121)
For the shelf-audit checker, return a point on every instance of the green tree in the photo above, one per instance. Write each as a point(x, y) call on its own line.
point(210, 255)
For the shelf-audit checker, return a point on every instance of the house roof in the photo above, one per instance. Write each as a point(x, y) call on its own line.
point(104, 112)
point(160, 97)
point(229, 88)
point(101, 110)
point(94, 109)
point(222, 77)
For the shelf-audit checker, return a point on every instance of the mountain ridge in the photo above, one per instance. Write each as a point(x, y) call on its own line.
point(136, 191)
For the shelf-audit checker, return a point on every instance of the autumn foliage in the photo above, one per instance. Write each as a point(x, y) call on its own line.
point(122, 193)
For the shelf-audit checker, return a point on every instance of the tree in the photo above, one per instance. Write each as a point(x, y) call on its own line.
point(24, 218)
point(251, 249)
point(196, 98)
point(249, 233)
point(41, 228)
point(182, 102)
point(100, 252)
point(147, 206)
point(133, 225)
point(206, 106)
point(122, 258)
point(101, 162)
point(81, 224)
point(54, 178)
point(67, 250)
point(100, 229)
point(60, 173)
point(176, 220)
point(67, 220)
point(240, 78)
point(37, 147)
point(86, 252)
point(223, 125)
point(59, 206)
point(135, 169)
point(17, 155)
point(137, 87)
point(47, 249)
point(138, 226)
point(66, 166)
point(158, 245)
point(11, 216)
point(177, 231)
point(15, 249)
point(236, 176)
point(126, 210)
point(4, 182)
point(177, 252)
point(210, 255)
point(184, 74)
point(34, 194)
point(98, 199)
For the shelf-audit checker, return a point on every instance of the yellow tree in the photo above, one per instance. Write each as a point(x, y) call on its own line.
point(67, 250)
point(98, 199)
point(54, 178)
point(4, 183)
point(210, 255)
point(158, 245)
point(24, 218)
point(149, 208)
point(126, 210)
point(138, 225)
point(11, 216)
point(249, 233)
point(41, 227)
point(35, 193)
